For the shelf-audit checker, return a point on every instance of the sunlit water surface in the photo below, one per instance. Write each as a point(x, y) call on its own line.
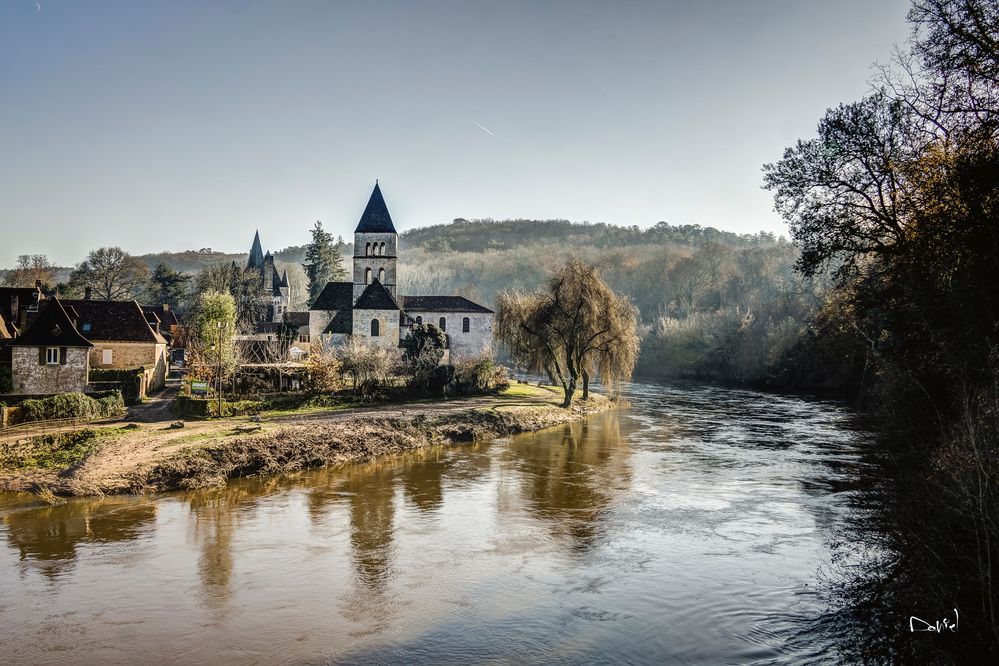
point(691, 527)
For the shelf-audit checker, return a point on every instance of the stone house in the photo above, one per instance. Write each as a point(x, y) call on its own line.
point(370, 308)
point(51, 356)
point(122, 339)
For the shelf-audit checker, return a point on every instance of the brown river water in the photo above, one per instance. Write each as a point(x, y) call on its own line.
point(693, 526)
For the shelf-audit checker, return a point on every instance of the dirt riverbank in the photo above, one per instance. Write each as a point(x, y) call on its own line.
point(150, 457)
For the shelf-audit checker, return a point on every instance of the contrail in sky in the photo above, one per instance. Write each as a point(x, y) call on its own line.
point(483, 129)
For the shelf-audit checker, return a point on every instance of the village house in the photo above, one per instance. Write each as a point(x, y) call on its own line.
point(122, 339)
point(51, 356)
point(369, 308)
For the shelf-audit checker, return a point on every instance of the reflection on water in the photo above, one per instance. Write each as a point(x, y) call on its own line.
point(689, 527)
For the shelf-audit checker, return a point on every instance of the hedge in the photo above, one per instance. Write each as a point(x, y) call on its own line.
point(73, 405)
point(127, 381)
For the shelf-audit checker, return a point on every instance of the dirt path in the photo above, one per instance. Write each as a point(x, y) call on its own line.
point(152, 437)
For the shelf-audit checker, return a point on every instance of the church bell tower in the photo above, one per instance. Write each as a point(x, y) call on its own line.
point(376, 246)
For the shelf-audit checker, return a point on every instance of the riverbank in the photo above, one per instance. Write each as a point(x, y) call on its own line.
point(142, 458)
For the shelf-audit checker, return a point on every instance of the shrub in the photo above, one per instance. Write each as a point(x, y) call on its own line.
point(49, 451)
point(479, 375)
point(73, 405)
point(127, 381)
point(368, 365)
point(6, 380)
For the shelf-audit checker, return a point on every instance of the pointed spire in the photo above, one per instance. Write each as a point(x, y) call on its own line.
point(375, 218)
point(256, 259)
point(284, 278)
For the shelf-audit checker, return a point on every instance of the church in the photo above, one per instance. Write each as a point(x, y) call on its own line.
point(369, 306)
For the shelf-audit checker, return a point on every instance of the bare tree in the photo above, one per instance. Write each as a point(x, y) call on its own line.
point(112, 274)
point(30, 270)
point(573, 329)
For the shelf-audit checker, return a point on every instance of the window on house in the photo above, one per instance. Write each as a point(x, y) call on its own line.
point(367, 276)
point(374, 328)
point(51, 356)
point(442, 324)
point(304, 337)
point(107, 357)
point(86, 327)
point(466, 325)
point(419, 320)
point(381, 275)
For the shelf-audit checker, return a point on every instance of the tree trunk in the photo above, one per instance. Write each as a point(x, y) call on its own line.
point(570, 389)
point(586, 385)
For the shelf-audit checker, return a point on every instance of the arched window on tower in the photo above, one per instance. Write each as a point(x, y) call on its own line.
point(374, 328)
point(367, 249)
point(381, 275)
point(381, 248)
point(367, 276)
point(466, 325)
point(443, 324)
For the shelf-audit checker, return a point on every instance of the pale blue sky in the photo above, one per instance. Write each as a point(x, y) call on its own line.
point(179, 125)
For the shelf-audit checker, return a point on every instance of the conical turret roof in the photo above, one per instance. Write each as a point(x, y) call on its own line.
point(375, 218)
point(256, 259)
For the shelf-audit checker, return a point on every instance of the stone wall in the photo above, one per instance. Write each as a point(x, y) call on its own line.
point(126, 355)
point(318, 321)
point(34, 378)
point(476, 342)
point(387, 261)
point(388, 327)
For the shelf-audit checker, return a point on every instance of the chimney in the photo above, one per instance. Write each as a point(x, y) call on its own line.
point(166, 307)
point(87, 294)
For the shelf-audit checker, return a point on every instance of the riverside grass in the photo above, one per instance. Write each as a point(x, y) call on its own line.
point(352, 440)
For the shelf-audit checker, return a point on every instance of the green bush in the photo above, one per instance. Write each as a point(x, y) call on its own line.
point(6, 380)
point(127, 381)
point(73, 405)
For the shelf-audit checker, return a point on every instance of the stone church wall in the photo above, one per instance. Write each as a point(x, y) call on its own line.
point(476, 342)
point(388, 327)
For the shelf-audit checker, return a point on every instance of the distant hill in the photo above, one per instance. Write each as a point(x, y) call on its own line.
point(482, 235)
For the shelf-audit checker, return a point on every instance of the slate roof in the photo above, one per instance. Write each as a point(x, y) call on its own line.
point(113, 321)
point(275, 281)
point(335, 296)
point(376, 297)
point(441, 304)
point(296, 318)
point(168, 317)
point(375, 218)
point(53, 328)
point(256, 259)
point(342, 322)
point(267, 327)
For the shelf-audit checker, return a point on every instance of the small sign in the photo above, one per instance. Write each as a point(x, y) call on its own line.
point(199, 388)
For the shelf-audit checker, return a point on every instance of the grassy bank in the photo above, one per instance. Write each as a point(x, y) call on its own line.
point(207, 453)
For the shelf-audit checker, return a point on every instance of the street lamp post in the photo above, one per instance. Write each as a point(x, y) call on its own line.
point(219, 326)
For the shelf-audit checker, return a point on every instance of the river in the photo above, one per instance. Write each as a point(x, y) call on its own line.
point(694, 526)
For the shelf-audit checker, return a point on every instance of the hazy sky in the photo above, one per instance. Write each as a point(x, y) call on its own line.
point(178, 125)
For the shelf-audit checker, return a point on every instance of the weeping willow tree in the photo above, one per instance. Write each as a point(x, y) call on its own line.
point(574, 329)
